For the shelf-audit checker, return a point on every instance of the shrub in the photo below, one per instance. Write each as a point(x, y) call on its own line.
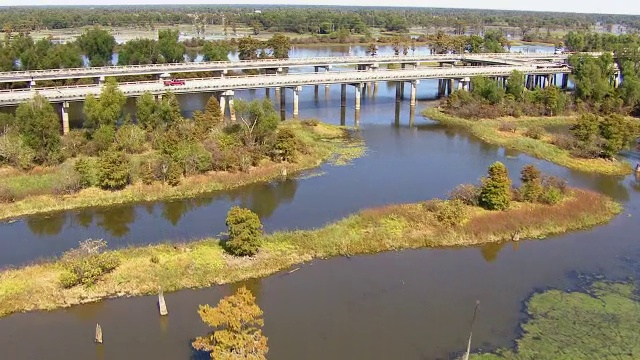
point(555, 182)
point(174, 174)
point(87, 263)
point(155, 259)
point(147, 173)
point(507, 126)
point(534, 132)
point(467, 193)
point(7, 195)
point(87, 168)
point(70, 184)
point(245, 230)
point(102, 139)
point(14, 152)
point(450, 212)
point(113, 170)
point(566, 142)
point(74, 143)
point(285, 147)
point(551, 196)
point(310, 122)
point(495, 193)
point(131, 138)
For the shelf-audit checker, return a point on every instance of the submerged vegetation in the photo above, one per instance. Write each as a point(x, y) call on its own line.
point(458, 221)
point(601, 323)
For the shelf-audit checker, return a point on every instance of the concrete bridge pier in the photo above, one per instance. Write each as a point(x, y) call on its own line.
point(101, 80)
point(296, 96)
point(227, 98)
point(65, 117)
point(343, 115)
point(551, 80)
point(267, 92)
point(398, 93)
point(283, 100)
point(414, 90)
point(32, 84)
point(449, 87)
point(343, 95)
point(466, 84)
point(358, 87)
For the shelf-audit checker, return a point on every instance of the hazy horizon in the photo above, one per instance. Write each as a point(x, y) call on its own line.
point(622, 7)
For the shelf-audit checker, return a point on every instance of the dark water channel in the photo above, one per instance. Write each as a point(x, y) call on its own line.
point(398, 305)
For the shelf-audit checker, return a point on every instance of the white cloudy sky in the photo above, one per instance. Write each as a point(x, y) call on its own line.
point(593, 6)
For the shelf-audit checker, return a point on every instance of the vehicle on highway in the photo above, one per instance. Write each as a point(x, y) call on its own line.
point(174, 82)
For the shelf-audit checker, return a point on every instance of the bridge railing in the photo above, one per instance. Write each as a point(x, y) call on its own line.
point(268, 62)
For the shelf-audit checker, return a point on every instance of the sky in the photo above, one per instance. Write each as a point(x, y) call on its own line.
point(630, 7)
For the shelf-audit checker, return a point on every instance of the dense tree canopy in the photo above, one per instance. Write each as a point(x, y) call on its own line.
point(97, 44)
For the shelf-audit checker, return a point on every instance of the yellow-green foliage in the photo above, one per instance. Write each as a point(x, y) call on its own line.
point(488, 130)
point(204, 263)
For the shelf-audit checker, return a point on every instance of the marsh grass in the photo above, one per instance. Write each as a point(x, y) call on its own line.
point(203, 263)
point(322, 142)
point(599, 323)
point(488, 130)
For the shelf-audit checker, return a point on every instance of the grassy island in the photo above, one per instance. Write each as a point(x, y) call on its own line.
point(534, 136)
point(598, 323)
point(435, 223)
point(162, 158)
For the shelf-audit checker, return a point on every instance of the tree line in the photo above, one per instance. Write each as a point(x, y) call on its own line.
point(298, 19)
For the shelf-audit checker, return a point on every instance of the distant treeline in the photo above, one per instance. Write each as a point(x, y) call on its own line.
point(302, 20)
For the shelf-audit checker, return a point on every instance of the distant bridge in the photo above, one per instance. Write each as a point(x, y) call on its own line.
point(222, 67)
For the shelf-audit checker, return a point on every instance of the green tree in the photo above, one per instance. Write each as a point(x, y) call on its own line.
point(113, 170)
point(40, 128)
point(616, 132)
point(259, 120)
point(515, 84)
point(487, 89)
point(169, 47)
point(236, 322)
point(245, 230)
point(169, 109)
point(495, 193)
point(206, 120)
point(147, 112)
point(107, 109)
point(286, 145)
point(280, 46)
point(139, 52)
point(248, 48)
point(586, 129)
point(630, 87)
point(98, 45)
point(215, 52)
point(531, 188)
point(553, 100)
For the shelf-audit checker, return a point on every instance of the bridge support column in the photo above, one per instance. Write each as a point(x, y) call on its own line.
point(65, 117)
point(296, 95)
point(414, 90)
point(398, 93)
point(343, 95)
point(466, 84)
point(232, 110)
point(615, 81)
point(267, 92)
point(460, 84)
point(283, 100)
point(358, 95)
point(32, 84)
point(450, 87)
point(223, 104)
point(565, 81)
point(101, 80)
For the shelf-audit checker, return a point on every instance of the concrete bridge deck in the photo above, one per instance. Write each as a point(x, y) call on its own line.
point(135, 89)
point(325, 62)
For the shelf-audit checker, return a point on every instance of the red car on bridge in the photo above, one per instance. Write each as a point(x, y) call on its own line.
point(174, 82)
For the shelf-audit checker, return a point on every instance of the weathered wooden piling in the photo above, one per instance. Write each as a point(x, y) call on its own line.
point(162, 305)
point(98, 334)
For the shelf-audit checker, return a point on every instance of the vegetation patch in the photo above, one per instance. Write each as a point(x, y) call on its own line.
point(435, 223)
point(491, 131)
point(601, 323)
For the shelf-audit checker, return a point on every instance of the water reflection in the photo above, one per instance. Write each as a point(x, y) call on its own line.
point(490, 251)
point(49, 225)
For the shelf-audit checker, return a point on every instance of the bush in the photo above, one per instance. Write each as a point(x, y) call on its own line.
point(14, 152)
point(555, 182)
point(566, 142)
point(467, 193)
point(285, 147)
point(7, 195)
point(551, 196)
point(87, 168)
point(102, 139)
point(450, 212)
point(113, 170)
point(174, 174)
point(87, 263)
point(245, 230)
point(507, 126)
point(495, 193)
point(131, 139)
point(310, 122)
point(534, 132)
point(147, 173)
point(70, 184)
point(74, 143)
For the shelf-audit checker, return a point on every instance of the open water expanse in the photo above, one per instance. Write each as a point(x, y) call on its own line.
point(399, 305)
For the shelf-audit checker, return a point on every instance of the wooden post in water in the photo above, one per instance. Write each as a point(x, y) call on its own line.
point(98, 334)
point(161, 304)
point(473, 320)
